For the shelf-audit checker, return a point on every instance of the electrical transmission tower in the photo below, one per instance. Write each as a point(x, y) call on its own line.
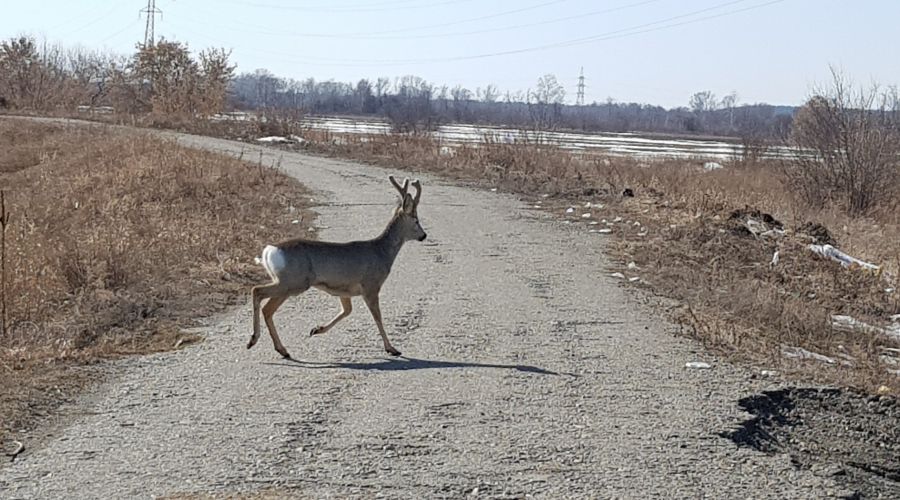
point(149, 31)
point(579, 100)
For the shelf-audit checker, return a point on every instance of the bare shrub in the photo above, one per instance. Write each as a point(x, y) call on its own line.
point(847, 143)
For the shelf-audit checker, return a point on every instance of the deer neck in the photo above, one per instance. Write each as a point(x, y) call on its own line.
point(391, 240)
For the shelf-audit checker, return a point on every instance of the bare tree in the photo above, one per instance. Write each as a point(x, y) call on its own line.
point(545, 103)
point(847, 143)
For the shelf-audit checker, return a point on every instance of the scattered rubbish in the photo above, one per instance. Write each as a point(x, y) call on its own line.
point(493, 190)
point(888, 290)
point(697, 365)
point(769, 373)
point(593, 223)
point(774, 259)
point(839, 256)
point(634, 279)
point(711, 165)
point(545, 196)
point(883, 389)
point(585, 216)
point(587, 205)
point(570, 210)
point(617, 275)
point(632, 265)
point(850, 324)
point(801, 353)
point(628, 193)
point(637, 224)
point(312, 229)
point(295, 221)
point(617, 219)
point(277, 139)
point(600, 231)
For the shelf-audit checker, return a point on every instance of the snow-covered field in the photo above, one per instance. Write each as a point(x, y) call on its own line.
point(624, 144)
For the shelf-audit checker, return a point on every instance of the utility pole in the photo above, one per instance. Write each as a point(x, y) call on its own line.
point(149, 30)
point(579, 100)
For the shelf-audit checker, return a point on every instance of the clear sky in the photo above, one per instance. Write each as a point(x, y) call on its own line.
point(657, 51)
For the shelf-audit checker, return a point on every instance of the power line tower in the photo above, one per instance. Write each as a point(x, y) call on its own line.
point(149, 30)
point(579, 100)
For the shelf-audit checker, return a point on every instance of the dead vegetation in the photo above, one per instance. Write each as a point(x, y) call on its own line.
point(115, 242)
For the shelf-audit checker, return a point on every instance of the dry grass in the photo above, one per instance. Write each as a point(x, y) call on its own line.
point(117, 241)
point(688, 248)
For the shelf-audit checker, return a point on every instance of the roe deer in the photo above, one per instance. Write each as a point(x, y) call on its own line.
point(344, 270)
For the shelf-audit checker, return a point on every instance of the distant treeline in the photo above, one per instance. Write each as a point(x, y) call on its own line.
point(410, 103)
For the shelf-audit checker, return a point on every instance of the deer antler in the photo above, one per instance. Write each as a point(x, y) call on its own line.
point(402, 189)
point(418, 185)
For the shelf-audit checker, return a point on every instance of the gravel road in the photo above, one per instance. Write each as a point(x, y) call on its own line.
point(527, 371)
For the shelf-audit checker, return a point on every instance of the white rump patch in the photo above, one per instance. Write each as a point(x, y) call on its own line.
point(273, 260)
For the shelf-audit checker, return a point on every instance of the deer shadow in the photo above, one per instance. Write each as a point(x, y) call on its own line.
point(404, 363)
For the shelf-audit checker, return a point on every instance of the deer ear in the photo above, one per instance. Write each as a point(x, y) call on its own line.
point(408, 203)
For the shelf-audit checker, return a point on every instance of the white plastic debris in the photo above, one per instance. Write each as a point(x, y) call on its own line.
point(851, 324)
point(570, 210)
point(801, 353)
point(593, 223)
point(587, 205)
point(839, 256)
point(634, 279)
point(585, 216)
point(768, 373)
point(493, 190)
point(295, 221)
point(697, 365)
point(274, 139)
point(774, 259)
point(605, 230)
point(632, 265)
point(711, 165)
point(617, 275)
point(617, 219)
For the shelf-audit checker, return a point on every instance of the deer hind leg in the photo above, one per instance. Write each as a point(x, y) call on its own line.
point(258, 293)
point(375, 309)
point(268, 310)
point(346, 309)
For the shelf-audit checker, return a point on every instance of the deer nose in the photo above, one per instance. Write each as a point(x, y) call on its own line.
point(423, 237)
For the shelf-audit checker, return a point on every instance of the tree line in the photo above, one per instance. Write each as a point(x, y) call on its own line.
point(410, 103)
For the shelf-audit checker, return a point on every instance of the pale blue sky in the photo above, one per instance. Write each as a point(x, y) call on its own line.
point(657, 51)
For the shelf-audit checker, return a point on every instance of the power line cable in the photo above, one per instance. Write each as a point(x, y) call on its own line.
point(620, 33)
point(382, 7)
point(377, 36)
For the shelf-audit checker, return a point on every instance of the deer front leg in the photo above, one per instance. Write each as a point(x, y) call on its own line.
point(375, 309)
point(346, 309)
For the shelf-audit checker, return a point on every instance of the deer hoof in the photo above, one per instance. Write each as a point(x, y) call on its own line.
point(315, 331)
point(251, 343)
point(285, 355)
point(393, 352)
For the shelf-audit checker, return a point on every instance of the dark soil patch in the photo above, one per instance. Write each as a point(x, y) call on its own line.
point(854, 439)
